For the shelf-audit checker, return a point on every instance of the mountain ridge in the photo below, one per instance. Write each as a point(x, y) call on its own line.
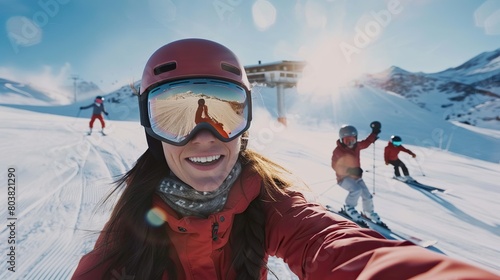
point(468, 93)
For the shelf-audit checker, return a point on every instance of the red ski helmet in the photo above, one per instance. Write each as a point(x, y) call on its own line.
point(192, 58)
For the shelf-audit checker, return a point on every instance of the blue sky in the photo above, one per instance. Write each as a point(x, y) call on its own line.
point(108, 42)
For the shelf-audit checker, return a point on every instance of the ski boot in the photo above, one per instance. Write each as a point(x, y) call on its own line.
point(354, 215)
point(374, 217)
point(90, 132)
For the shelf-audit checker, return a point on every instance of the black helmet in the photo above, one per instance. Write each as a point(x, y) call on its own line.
point(395, 138)
point(99, 97)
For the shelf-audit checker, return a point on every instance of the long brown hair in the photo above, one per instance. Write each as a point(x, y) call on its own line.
point(129, 242)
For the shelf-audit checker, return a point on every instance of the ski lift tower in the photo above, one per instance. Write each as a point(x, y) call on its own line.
point(74, 78)
point(282, 74)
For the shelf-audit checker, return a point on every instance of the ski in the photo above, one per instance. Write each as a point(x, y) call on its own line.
point(385, 231)
point(417, 184)
point(90, 133)
point(380, 223)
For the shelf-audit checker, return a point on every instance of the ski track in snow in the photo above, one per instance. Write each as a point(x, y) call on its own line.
point(73, 192)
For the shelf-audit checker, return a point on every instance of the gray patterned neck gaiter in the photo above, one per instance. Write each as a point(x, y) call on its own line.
point(190, 202)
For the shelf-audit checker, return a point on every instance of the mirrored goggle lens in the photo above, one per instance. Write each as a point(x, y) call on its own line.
point(179, 109)
point(396, 143)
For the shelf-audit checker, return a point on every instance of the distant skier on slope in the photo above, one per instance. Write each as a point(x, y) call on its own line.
point(391, 152)
point(98, 109)
point(347, 166)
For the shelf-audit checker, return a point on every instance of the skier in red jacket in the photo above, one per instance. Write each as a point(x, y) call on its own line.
point(199, 205)
point(347, 165)
point(391, 152)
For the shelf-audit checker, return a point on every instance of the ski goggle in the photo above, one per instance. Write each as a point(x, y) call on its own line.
point(396, 143)
point(174, 112)
point(349, 140)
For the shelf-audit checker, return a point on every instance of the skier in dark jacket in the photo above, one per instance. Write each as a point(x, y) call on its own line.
point(391, 152)
point(98, 109)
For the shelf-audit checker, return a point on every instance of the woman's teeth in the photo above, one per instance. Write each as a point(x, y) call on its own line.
point(204, 159)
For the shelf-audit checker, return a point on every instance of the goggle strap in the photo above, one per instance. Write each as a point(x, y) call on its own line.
point(143, 110)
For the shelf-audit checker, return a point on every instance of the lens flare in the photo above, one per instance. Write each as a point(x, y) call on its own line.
point(156, 217)
point(264, 14)
point(327, 69)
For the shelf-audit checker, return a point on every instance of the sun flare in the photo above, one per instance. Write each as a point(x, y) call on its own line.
point(327, 69)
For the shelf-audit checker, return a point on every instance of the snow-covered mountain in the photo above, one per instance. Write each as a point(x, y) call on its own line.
point(16, 93)
point(12, 92)
point(120, 104)
point(469, 93)
point(482, 71)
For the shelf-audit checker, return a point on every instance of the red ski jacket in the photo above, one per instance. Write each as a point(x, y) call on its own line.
point(315, 244)
point(391, 152)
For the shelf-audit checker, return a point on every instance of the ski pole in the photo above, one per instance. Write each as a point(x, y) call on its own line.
point(373, 168)
point(419, 167)
point(320, 182)
point(376, 126)
point(327, 190)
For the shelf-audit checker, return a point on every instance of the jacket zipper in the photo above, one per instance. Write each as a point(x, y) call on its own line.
point(215, 229)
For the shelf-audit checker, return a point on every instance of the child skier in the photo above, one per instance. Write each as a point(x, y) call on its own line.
point(391, 152)
point(98, 109)
point(347, 166)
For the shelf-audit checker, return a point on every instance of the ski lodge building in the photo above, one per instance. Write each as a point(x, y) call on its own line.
point(282, 74)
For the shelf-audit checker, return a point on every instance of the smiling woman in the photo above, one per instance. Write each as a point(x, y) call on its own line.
point(206, 207)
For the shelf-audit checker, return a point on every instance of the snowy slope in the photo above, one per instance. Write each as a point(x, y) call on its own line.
point(399, 116)
point(62, 174)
